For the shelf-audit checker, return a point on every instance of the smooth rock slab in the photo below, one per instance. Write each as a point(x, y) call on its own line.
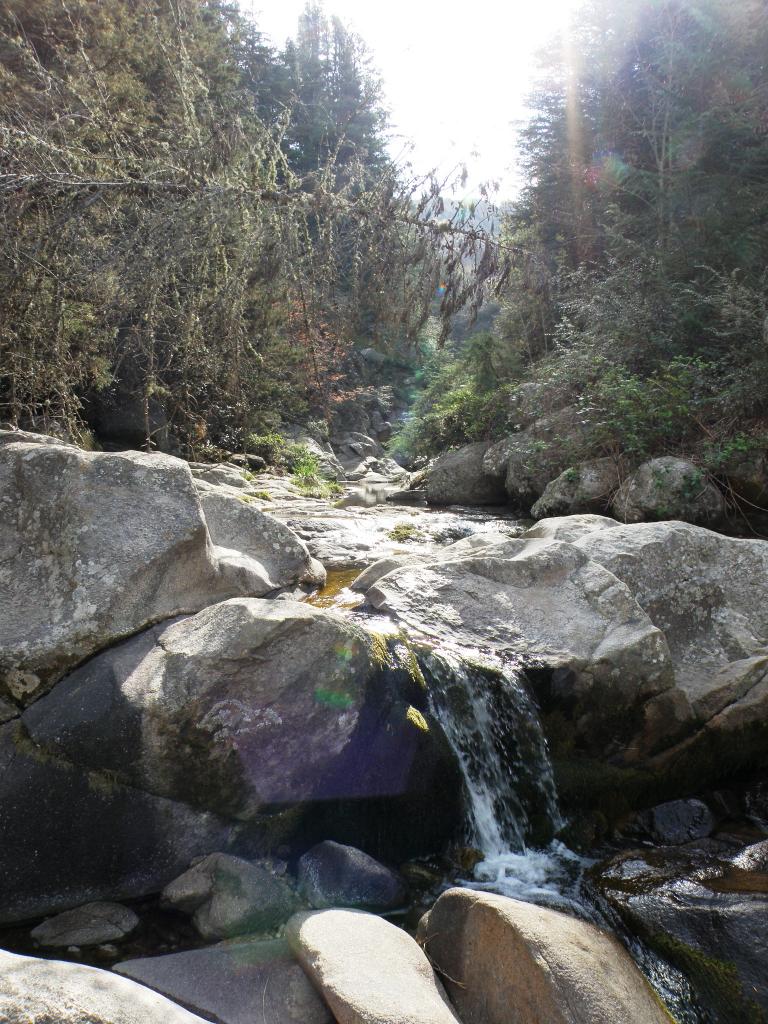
point(540, 601)
point(87, 926)
point(237, 525)
point(229, 896)
point(234, 983)
point(334, 875)
point(368, 971)
point(49, 992)
point(505, 961)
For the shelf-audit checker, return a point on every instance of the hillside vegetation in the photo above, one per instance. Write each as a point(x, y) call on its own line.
point(637, 294)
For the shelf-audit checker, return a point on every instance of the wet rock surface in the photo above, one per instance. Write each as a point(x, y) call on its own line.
point(704, 907)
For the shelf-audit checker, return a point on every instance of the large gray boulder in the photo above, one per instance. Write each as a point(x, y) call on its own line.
point(229, 896)
point(539, 602)
point(189, 737)
point(235, 524)
point(503, 960)
point(368, 970)
point(586, 487)
point(708, 594)
point(48, 992)
point(334, 875)
point(668, 488)
point(243, 982)
point(527, 461)
point(458, 478)
point(94, 547)
point(246, 704)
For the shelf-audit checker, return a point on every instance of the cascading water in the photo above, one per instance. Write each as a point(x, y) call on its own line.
point(492, 724)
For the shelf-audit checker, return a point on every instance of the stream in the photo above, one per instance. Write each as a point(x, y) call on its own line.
point(491, 722)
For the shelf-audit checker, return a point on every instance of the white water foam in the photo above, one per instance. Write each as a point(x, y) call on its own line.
point(493, 727)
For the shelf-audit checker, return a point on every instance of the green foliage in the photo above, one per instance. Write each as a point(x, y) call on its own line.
point(636, 288)
point(281, 453)
point(404, 532)
point(641, 415)
point(461, 399)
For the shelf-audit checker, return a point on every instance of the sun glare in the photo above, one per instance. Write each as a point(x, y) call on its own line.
point(456, 76)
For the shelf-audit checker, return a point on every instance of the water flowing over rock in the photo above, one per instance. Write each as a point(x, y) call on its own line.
point(704, 906)
point(543, 602)
point(493, 727)
point(93, 547)
point(244, 982)
point(368, 970)
point(46, 991)
point(505, 960)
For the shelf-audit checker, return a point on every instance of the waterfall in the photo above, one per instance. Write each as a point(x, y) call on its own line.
point(493, 727)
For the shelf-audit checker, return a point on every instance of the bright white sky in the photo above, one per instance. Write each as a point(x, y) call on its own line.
point(455, 74)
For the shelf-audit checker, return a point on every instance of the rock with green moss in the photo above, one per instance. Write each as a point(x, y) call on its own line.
point(586, 487)
point(228, 896)
point(527, 461)
point(668, 488)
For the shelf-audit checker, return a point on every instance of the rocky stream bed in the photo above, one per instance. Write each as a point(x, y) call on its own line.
point(269, 758)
